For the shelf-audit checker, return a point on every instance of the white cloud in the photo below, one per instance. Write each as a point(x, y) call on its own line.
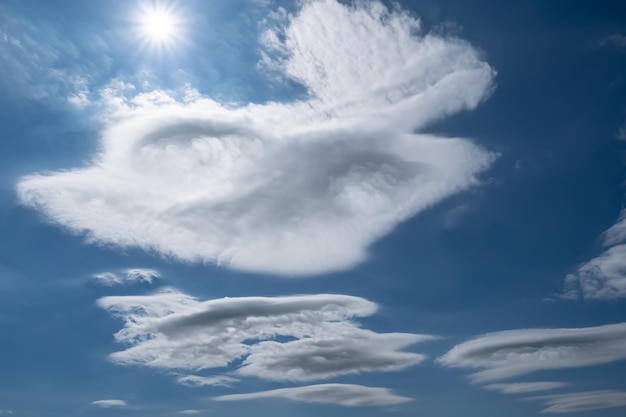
point(582, 401)
point(603, 277)
point(189, 412)
point(201, 381)
point(296, 338)
point(341, 394)
point(127, 276)
point(525, 387)
point(109, 403)
point(512, 353)
point(294, 188)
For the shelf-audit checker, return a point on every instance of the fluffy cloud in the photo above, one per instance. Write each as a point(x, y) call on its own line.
point(109, 403)
point(582, 401)
point(525, 387)
point(603, 277)
point(512, 353)
point(127, 276)
point(297, 338)
point(296, 188)
point(342, 394)
point(201, 381)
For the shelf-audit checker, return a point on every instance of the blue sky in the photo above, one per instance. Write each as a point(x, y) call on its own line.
point(305, 207)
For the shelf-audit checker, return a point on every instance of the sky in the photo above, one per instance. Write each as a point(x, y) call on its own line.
point(305, 207)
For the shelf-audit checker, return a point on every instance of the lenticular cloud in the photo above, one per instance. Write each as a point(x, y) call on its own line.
point(295, 188)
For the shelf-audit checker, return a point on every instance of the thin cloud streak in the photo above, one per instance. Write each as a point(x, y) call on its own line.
point(346, 395)
point(582, 401)
point(512, 353)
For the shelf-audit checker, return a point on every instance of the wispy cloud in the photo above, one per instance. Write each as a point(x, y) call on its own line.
point(603, 277)
point(512, 353)
point(187, 412)
point(110, 403)
point(524, 387)
point(615, 39)
point(126, 277)
point(201, 381)
point(341, 394)
point(294, 188)
point(297, 338)
point(582, 401)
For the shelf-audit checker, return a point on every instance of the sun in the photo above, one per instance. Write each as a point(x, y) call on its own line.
point(159, 25)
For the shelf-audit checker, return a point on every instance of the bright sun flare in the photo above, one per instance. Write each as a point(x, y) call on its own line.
point(159, 25)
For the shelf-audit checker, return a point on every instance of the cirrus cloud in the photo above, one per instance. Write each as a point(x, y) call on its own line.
point(294, 188)
point(582, 401)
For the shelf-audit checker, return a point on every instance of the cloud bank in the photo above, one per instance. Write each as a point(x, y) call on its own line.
point(296, 338)
point(512, 353)
point(582, 401)
point(341, 394)
point(294, 188)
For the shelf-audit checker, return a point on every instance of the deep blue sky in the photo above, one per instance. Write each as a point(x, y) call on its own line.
point(489, 258)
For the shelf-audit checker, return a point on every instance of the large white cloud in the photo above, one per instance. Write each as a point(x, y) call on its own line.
point(512, 353)
point(582, 401)
point(296, 338)
point(342, 394)
point(293, 188)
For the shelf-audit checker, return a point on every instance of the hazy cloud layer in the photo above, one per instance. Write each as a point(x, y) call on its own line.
point(512, 353)
point(341, 394)
point(126, 277)
point(294, 188)
point(582, 401)
point(603, 277)
point(298, 338)
point(109, 403)
point(524, 387)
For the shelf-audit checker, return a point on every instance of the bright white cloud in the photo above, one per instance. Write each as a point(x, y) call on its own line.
point(201, 381)
point(525, 387)
point(109, 403)
point(512, 353)
point(127, 276)
point(294, 188)
point(603, 277)
point(297, 338)
point(341, 394)
point(582, 401)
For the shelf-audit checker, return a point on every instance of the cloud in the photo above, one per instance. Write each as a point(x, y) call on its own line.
point(109, 403)
point(296, 338)
point(512, 353)
point(128, 276)
point(582, 401)
point(525, 387)
point(201, 381)
point(341, 394)
point(615, 39)
point(295, 188)
point(189, 412)
point(603, 277)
